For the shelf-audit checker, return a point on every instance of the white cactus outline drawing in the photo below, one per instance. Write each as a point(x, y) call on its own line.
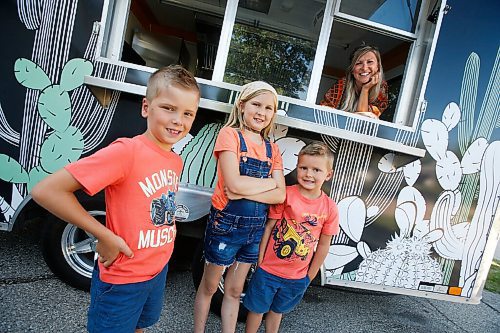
point(449, 232)
point(465, 240)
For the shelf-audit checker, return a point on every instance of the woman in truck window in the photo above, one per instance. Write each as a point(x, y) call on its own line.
point(363, 90)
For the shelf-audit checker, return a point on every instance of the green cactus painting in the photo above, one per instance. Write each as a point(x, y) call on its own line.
point(200, 165)
point(65, 143)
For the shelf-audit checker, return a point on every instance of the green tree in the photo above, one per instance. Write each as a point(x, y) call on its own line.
point(283, 61)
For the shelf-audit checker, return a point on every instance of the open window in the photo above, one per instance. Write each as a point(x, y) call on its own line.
point(275, 41)
point(403, 31)
point(300, 47)
point(156, 33)
point(394, 54)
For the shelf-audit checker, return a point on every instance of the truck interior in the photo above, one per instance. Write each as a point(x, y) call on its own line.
point(273, 40)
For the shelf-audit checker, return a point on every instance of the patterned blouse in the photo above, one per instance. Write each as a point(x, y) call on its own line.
point(335, 95)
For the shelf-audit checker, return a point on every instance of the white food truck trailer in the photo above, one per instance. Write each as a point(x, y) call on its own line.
point(418, 190)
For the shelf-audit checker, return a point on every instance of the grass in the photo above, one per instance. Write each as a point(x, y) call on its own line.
point(493, 280)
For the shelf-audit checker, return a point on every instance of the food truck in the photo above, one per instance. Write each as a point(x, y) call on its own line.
point(417, 190)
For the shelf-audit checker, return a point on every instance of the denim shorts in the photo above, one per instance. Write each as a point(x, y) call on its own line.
point(122, 308)
point(230, 238)
point(270, 292)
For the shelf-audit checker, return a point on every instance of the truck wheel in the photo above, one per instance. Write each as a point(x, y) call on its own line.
point(69, 251)
point(215, 306)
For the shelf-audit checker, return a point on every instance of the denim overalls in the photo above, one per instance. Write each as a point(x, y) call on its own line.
point(234, 233)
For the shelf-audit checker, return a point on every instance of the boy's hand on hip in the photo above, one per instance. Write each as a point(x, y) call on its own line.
point(110, 247)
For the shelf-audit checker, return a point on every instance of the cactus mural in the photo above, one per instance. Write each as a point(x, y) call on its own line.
point(199, 164)
point(409, 249)
point(406, 262)
point(41, 129)
point(447, 233)
point(65, 143)
point(459, 178)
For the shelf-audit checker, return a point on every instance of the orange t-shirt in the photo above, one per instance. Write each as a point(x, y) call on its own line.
point(300, 223)
point(228, 139)
point(140, 180)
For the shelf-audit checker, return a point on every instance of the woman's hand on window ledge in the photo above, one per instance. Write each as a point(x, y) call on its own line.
point(367, 114)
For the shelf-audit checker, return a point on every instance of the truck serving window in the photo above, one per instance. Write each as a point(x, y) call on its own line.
point(156, 33)
point(301, 47)
point(403, 32)
point(275, 41)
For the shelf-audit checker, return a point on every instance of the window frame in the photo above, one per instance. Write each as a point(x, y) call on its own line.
point(414, 82)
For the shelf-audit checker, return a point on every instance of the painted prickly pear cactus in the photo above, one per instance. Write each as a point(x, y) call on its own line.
point(406, 262)
point(473, 178)
point(445, 239)
point(65, 143)
point(400, 263)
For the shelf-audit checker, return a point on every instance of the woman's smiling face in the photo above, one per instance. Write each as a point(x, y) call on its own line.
point(365, 67)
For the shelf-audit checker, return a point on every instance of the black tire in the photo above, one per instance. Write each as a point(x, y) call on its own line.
point(215, 306)
point(286, 249)
point(69, 251)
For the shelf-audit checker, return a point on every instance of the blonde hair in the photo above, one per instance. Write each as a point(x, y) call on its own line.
point(168, 76)
point(351, 94)
point(318, 148)
point(249, 91)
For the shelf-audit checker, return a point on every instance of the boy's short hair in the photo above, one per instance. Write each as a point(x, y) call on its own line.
point(318, 148)
point(168, 76)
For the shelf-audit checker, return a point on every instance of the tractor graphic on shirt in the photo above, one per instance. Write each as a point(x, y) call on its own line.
point(163, 209)
point(289, 242)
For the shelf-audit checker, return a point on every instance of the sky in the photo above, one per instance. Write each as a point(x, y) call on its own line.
point(395, 13)
point(470, 26)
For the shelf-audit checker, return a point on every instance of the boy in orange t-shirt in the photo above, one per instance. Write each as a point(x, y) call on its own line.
point(295, 242)
point(140, 178)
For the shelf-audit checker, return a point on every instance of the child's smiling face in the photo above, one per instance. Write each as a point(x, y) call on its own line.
point(170, 115)
point(258, 111)
point(312, 172)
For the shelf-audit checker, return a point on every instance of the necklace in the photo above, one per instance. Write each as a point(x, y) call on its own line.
point(251, 129)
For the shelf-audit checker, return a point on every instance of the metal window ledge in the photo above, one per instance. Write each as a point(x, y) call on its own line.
point(404, 154)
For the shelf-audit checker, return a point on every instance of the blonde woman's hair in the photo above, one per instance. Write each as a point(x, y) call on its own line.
point(249, 91)
point(318, 148)
point(351, 98)
point(173, 75)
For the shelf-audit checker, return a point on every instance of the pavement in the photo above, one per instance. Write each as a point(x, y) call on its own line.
point(32, 299)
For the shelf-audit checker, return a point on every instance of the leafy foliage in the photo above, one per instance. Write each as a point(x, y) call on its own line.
point(493, 281)
point(285, 62)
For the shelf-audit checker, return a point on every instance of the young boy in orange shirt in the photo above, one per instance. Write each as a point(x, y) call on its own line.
point(140, 177)
point(295, 242)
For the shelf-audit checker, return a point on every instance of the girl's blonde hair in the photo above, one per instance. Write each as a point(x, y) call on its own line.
point(249, 91)
point(351, 94)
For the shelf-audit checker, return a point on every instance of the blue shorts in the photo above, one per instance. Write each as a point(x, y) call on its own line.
point(230, 238)
point(122, 308)
point(270, 292)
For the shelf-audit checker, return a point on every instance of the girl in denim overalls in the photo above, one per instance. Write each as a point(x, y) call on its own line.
point(250, 177)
